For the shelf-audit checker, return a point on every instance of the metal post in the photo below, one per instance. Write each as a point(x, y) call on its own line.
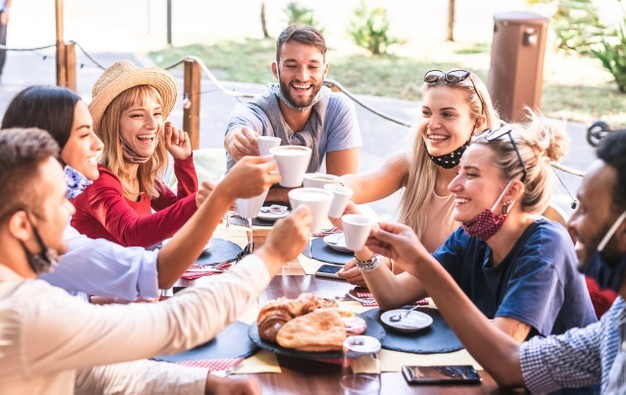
point(169, 22)
point(191, 101)
point(60, 44)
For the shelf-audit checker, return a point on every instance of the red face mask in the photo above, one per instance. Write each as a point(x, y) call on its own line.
point(486, 224)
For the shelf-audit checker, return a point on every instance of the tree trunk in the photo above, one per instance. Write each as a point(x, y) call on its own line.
point(450, 32)
point(264, 21)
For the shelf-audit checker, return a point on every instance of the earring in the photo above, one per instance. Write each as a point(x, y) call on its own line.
point(505, 207)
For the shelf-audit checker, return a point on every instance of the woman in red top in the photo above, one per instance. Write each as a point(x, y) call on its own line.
point(129, 106)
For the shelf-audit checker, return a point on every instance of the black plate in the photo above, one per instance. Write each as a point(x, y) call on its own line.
point(374, 329)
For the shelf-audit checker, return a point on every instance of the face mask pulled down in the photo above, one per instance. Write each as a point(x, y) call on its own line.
point(42, 262)
point(608, 275)
point(486, 224)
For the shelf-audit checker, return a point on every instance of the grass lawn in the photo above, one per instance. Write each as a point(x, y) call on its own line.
point(574, 88)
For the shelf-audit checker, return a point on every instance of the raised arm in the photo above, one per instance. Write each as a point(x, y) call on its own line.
point(496, 351)
point(380, 182)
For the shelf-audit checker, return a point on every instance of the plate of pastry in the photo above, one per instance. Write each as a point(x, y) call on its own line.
point(309, 327)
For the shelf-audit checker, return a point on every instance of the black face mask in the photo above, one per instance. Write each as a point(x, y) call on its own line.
point(42, 262)
point(448, 161)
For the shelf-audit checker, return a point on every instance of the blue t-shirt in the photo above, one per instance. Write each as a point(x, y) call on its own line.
point(536, 283)
point(341, 128)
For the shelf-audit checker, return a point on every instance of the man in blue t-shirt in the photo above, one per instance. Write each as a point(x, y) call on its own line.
point(299, 110)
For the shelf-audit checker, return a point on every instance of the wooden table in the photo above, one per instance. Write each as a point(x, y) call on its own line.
point(300, 376)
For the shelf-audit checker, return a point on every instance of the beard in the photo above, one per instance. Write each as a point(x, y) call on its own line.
point(306, 102)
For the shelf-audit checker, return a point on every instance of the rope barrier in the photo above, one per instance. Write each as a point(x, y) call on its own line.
point(88, 56)
point(567, 170)
point(26, 49)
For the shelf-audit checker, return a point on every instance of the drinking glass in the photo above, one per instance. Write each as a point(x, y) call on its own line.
point(360, 368)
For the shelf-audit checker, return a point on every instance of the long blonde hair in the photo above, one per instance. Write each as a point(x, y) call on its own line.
point(109, 130)
point(422, 174)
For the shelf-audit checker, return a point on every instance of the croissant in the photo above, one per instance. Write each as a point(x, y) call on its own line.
point(272, 317)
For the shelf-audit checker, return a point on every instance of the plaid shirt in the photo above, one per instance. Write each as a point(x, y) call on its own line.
point(580, 356)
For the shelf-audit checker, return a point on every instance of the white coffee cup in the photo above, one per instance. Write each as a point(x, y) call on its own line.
point(266, 143)
point(317, 200)
point(341, 198)
point(292, 161)
point(356, 229)
point(250, 207)
point(318, 180)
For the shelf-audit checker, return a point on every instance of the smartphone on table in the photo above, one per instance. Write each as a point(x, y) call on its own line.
point(328, 271)
point(449, 374)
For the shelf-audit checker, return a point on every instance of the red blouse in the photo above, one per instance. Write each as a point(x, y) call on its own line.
point(102, 211)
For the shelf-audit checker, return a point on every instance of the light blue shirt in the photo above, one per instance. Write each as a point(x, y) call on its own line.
point(103, 268)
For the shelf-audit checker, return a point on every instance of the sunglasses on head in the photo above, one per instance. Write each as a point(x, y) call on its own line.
point(494, 134)
point(453, 77)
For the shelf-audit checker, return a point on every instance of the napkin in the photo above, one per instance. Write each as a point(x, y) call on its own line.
point(195, 272)
point(213, 364)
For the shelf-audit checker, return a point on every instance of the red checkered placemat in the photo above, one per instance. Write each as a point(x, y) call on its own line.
point(213, 365)
point(367, 299)
point(196, 272)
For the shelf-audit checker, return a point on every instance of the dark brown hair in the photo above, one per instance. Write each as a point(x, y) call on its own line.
point(303, 34)
point(21, 153)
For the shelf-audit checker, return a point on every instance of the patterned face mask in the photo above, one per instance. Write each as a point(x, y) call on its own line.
point(448, 161)
point(76, 182)
point(486, 224)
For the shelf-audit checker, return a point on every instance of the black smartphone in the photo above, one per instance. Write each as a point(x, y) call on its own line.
point(328, 271)
point(451, 374)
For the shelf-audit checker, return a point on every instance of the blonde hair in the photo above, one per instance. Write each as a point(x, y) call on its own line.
point(109, 129)
point(422, 174)
point(539, 143)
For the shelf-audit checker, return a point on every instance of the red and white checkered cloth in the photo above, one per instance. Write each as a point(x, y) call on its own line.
point(213, 365)
point(193, 272)
point(371, 302)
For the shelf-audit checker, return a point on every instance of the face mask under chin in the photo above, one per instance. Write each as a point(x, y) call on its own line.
point(451, 160)
point(42, 262)
point(486, 224)
point(608, 275)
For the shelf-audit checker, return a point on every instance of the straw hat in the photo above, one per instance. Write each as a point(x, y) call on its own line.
point(124, 75)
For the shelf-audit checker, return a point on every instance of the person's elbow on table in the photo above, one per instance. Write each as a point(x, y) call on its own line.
point(286, 240)
point(226, 385)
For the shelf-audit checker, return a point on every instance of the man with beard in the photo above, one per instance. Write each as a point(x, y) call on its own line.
point(298, 109)
point(580, 357)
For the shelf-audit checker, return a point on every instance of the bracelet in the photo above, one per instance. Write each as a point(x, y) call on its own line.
point(369, 265)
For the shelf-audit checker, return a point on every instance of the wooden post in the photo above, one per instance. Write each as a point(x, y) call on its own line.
point(70, 66)
point(191, 102)
point(60, 51)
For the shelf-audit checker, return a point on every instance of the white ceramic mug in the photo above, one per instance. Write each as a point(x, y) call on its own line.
point(341, 198)
point(318, 180)
point(356, 229)
point(292, 162)
point(250, 207)
point(266, 143)
point(317, 200)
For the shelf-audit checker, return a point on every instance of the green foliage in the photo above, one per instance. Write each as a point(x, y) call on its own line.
point(611, 51)
point(298, 14)
point(370, 29)
point(577, 26)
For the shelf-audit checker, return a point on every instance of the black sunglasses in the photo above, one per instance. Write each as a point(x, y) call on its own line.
point(494, 134)
point(453, 77)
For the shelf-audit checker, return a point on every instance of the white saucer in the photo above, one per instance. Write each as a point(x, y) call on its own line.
point(267, 214)
point(413, 322)
point(336, 241)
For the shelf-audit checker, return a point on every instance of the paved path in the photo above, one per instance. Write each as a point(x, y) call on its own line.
point(380, 136)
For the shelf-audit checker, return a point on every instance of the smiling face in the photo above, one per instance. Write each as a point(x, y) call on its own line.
point(140, 125)
point(82, 147)
point(595, 213)
point(446, 122)
point(301, 72)
point(478, 185)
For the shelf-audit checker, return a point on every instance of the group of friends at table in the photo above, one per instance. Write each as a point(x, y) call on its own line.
point(469, 234)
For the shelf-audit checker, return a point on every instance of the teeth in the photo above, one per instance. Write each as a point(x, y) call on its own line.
point(301, 86)
point(461, 200)
point(437, 137)
point(145, 136)
point(93, 160)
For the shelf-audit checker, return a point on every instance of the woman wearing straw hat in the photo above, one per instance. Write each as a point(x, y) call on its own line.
point(129, 106)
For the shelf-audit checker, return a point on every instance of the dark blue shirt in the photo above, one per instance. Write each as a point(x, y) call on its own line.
point(536, 283)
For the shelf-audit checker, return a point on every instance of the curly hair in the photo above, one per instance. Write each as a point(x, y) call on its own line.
point(612, 151)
